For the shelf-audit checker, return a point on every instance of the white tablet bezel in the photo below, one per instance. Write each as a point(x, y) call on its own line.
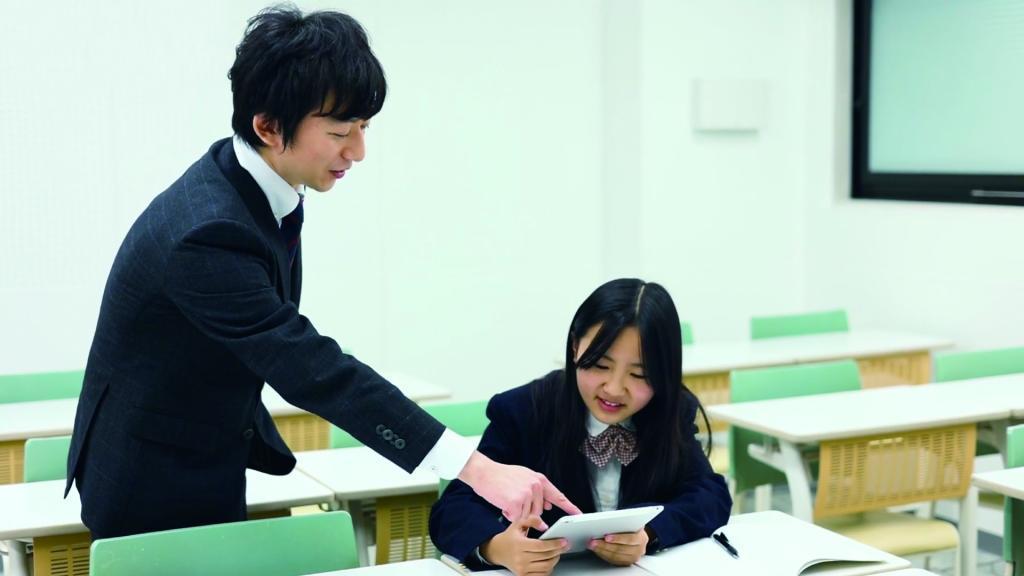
point(582, 528)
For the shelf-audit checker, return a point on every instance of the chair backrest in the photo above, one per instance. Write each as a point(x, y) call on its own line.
point(274, 547)
point(40, 386)
point(46, 458)
point(978, 364)
point(1013, 513)
point(465, 418)
point(341, 439)
point(687, 331)
point(798, 324)
point(876, 472)
point(779, 382)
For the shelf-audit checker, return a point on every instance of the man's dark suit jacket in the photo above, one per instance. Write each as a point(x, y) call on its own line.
point(200, 309)
point(461, 521)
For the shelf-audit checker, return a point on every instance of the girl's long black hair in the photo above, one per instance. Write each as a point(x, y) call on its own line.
point(665, 426)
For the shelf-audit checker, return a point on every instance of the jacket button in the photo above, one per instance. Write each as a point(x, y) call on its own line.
point(380, 429)
point(248, 434)
point(400, 443)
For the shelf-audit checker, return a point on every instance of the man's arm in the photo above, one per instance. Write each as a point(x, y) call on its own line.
point(219, 276)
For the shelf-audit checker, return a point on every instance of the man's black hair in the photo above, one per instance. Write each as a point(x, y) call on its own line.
point(289, 65)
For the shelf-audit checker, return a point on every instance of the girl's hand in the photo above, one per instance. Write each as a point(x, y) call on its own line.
point(522, 555)
point(621, 549)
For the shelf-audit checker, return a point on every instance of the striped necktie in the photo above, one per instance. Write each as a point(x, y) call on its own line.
point(291, 225)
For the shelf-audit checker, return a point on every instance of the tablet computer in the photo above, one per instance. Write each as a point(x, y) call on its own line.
point(581, 528)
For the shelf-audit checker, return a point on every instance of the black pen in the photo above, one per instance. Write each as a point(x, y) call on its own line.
point(723, 541)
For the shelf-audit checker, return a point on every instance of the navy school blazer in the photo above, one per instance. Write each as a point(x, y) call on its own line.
point(199, 310)
point(460, 521)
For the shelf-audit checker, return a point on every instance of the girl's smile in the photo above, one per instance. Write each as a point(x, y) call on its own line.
point(615, 387)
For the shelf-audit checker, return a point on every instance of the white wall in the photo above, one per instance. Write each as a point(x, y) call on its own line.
point(528, 151)
point(720, 211)
point(457, 251)
point(945, 269)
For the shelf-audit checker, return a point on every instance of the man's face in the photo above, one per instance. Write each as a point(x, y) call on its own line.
point(322, 150)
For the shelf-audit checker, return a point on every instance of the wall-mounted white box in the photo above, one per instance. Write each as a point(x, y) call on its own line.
point(729, 104)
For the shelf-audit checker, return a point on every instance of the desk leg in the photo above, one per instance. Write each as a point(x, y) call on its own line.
point(796, 478)
point(17, 558)
point(968, 529)
point(362, 530)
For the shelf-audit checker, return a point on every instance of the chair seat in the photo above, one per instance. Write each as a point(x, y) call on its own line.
point(899, 534)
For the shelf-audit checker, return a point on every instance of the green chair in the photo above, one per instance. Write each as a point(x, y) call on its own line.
point(779, 382)
point(978, 364)
point(402, 531)
point(46, 458)
point(273, 547)
point(341, 439)
point(798, 324)
point(687, 331)
point(465, 418)
point(1013, 513)
point(40, 386)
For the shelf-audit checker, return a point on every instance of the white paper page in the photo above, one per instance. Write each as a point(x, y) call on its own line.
point(772, 543)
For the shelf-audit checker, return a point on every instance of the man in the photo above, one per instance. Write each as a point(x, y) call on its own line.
point(201, 308)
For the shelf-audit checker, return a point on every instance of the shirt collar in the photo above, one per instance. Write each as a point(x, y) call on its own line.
point(595, 426)
point(283, 198)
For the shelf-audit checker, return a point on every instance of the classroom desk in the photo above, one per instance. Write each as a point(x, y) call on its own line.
point(300, 429)
point(357, 475)
point(565, 567)
point(797, 423)
point(39, 511)
point(1008, 482)
point(769, 543)
point(424, 567)
point(884, 358)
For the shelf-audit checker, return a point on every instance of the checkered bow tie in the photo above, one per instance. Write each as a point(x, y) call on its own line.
point(614, 441)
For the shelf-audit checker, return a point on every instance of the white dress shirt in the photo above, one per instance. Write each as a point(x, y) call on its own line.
point(604, 482)
point(448, 457)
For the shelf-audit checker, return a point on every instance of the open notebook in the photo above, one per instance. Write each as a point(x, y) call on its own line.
point(774, 544)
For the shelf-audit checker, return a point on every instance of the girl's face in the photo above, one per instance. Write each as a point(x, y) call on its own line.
point(615, 387)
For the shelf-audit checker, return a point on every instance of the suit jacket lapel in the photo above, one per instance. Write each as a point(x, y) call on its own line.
point(256, 202)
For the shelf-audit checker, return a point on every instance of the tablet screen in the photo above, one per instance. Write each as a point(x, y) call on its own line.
point(582, 528)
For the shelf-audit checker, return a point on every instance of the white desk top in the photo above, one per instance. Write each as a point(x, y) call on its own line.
point(1008, 482)
point(878, 410)
point(360, 473)
point(426, 567)
point(723, 356)
point(777, 544)
point(22, 420)
point(39, 509)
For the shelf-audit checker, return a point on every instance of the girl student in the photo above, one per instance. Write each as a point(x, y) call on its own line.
point(614, 429)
